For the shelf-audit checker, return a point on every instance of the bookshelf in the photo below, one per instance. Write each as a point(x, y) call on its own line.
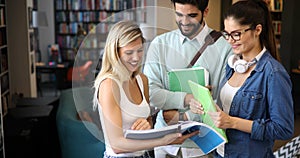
point(4, 73)
point(95, 17)
point(22, 43)
point(276, 8)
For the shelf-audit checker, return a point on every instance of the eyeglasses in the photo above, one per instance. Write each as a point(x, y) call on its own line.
point(235, 35)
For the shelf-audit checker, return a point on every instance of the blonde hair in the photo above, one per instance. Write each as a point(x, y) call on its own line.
point(120, 35)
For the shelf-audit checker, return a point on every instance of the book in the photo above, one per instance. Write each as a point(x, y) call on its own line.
point(207, 140)
point(203, 95)
point(178, 78)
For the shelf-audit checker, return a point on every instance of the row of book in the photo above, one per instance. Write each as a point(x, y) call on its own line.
point(275, 5)
point(2, 16)
point(68, 54)
point(3, 60)
point(2, 37)
point(68, 28)
point(91, 43)
point(72, 28)
point(99, 4)
point(84, 54)
point(68, 42)
point(97, 17)
point(81, 16)
point(65, 42)
point(277, 27)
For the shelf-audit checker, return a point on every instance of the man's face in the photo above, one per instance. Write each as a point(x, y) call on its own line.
point(188, 19)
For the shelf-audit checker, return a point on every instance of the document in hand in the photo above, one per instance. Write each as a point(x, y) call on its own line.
point(178, 78)
point(202, 94)
point(207, 140)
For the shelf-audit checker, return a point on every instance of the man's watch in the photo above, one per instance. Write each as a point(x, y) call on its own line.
point(181, 115)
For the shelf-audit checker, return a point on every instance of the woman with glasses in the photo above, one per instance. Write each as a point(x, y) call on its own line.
point(255, 105)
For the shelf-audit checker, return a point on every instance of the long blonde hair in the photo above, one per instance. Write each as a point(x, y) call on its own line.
point(120, 35)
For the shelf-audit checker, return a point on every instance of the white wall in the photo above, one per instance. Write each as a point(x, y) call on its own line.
point(233, 1)
point(165, 16)
point(46, 34)
point(214, 14)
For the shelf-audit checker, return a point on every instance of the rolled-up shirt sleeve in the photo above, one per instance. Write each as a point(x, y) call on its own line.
point(280, 107)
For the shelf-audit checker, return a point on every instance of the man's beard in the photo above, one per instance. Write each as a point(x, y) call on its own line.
point(196, 27)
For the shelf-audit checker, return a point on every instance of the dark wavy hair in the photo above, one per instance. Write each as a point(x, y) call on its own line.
point(200, 4)
point(254, 12)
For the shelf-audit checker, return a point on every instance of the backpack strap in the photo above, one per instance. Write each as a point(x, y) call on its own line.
point(211, 38)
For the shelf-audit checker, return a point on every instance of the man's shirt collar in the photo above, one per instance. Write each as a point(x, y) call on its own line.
point(200, 37)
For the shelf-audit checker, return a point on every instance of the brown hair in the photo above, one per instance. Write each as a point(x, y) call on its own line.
point(254, 12)
point(200, 4)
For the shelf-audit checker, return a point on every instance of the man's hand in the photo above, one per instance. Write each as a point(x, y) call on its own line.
point(172, 116)
point(181, 139)
point(187, 99)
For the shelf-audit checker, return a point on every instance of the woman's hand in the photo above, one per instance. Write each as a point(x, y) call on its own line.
point(141, 124)
point(221, 119)
point(177, 138)
point(196, 107)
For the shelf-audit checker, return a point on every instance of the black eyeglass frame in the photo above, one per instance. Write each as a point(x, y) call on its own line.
point(235, 35)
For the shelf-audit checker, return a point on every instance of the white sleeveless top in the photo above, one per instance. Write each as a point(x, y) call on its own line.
point(130, 113)
point(226, 95)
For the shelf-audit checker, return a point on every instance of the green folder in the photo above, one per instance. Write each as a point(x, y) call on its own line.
point(202, 95)
point(178, 78)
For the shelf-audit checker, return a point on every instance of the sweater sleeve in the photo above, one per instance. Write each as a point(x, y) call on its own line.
point(156, 72)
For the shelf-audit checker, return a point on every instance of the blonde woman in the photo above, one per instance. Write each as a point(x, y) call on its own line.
point(122, 95)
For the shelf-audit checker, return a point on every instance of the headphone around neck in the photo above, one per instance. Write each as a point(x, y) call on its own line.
point(239, 65)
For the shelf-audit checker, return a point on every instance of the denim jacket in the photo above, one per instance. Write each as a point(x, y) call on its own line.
point(266, 98)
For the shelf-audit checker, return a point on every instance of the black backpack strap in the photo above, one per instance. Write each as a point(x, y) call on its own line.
point(211, 38)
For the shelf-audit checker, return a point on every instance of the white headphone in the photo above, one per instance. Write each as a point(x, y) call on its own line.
point(239, 65)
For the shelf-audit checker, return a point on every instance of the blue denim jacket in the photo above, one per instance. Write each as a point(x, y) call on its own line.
point(265, 98)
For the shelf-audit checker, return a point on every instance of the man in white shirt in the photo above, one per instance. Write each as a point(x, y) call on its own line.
point(176, 49)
